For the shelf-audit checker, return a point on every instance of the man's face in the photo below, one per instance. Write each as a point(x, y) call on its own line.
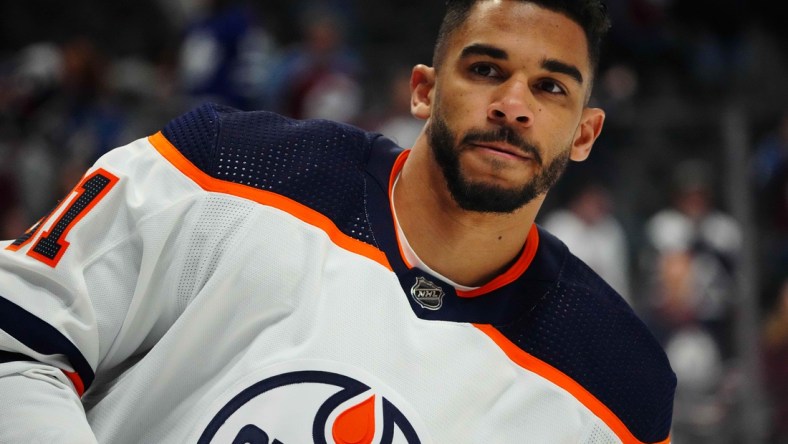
point(507, 105)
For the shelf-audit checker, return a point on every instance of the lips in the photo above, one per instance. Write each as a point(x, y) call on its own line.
point(504, 148)
point(505, 142)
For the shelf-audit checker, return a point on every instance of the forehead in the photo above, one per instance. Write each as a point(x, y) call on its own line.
point(523, 29)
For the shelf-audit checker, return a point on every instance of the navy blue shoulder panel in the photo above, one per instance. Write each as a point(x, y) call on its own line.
point(582, 327)
point(317, 163)
point(40, 337)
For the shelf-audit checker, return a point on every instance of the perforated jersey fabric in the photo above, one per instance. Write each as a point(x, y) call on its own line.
point(316, 162)
point(242, 279)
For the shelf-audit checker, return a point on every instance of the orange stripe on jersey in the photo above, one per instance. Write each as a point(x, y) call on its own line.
point(514, 272)
point(398, 164)
point(283, 203)
point(509, 276)
point(77, 381)
point(559, 378)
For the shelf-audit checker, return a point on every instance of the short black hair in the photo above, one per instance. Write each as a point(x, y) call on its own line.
point(591, 15)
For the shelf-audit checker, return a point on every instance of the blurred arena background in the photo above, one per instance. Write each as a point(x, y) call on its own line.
point(683, 205)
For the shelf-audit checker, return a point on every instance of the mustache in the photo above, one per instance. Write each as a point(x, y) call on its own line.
point(506, 135)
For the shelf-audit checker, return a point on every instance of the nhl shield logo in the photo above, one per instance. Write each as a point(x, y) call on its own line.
point(427, 294)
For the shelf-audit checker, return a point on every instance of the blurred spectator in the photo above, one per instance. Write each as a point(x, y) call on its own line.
point(771, 154)
point(643, 38)
point(35, 74)
point(94, 121)
point(591, 231)
point(12, 221)
point(616, 89)
point(718, 54)
point(226, 54)
point(64, 110)
point(54, 86)
point(695, 245)
point(318, 77)
point(775, 364)
point(396, 121)
point(694, 249)
point(706, 388)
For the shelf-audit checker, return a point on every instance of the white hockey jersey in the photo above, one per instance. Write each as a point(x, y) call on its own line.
point(237, 278)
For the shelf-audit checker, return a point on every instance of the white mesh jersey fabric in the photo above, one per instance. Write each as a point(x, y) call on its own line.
point(214, 230)
point(197, 298)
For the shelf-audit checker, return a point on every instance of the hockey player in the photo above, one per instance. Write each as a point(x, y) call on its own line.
point(240, 277)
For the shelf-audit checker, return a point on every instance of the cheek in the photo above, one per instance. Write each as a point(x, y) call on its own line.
point(561, 131)
point(463, 118)
point(459, 102)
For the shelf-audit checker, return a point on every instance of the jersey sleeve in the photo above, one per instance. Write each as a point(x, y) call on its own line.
point(92, 283)
point(40, 405)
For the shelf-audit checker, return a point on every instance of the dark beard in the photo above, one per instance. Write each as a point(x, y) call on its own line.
point(482, 197)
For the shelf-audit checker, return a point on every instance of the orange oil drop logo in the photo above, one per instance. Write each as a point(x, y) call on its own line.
point(356, 425)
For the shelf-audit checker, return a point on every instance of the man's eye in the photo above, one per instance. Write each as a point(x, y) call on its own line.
point(485, 70)
point(551, 87)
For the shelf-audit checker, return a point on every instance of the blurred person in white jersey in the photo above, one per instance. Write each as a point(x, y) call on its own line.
point(244, 277)
point(592, 232)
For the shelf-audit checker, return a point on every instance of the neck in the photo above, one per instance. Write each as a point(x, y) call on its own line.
point(468, 247)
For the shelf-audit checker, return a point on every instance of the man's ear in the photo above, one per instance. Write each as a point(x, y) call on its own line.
point(422, 85)
point(587, 132)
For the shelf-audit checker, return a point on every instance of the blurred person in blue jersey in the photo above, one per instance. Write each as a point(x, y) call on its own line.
point(248, 277)
point(226, 53)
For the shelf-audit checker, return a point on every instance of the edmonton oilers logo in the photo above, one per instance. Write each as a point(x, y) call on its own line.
point(427, 294)
point(309, 407)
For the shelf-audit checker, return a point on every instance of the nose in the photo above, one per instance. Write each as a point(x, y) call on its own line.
point(512, 105)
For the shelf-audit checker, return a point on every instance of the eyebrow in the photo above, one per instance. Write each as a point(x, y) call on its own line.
point(563, 68)
point(479, 49)
point(553, 65)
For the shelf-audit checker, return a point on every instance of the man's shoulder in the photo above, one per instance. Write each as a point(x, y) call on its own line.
point(586, 309)
point(309, 161)
point(318, 164)
point(584, 329)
